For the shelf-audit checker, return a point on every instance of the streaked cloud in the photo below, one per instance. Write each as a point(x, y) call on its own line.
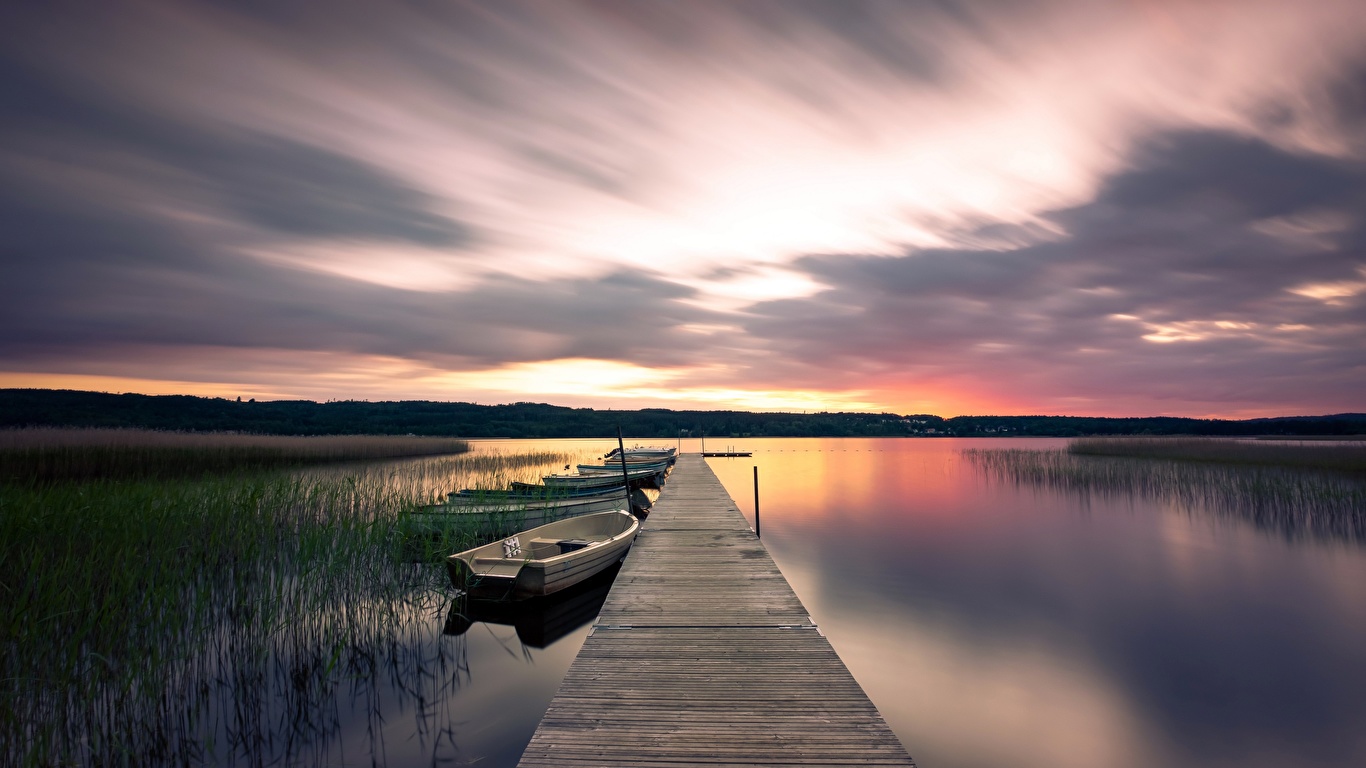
point(920, 206)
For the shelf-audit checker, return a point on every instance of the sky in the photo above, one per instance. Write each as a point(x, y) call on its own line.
point(925, 206)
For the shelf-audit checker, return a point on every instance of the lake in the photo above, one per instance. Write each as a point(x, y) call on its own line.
point(996, 624)
point(1002, 625)
point(993, 622)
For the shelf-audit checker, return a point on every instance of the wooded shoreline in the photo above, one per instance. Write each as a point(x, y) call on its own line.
point(69, 408)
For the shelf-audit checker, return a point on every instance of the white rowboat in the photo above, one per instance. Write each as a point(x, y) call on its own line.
point(544, 560)
point(503, 516)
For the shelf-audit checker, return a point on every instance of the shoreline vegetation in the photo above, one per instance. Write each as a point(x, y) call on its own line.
point(226, 609)
point(69, 408)
point(1322, 455)
point(55, 454)
point(1296, 490)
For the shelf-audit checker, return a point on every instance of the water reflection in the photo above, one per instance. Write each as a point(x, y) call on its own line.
point(992, 624)
point(1003, 624)
point(1294, 503)
point(539, 622)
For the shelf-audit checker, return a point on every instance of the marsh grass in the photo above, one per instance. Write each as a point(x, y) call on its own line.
point(48, 455)
point(1292, 501)
point(1323, 455)
point(220, 619)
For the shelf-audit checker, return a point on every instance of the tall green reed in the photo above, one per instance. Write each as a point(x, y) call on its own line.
point(142, 622)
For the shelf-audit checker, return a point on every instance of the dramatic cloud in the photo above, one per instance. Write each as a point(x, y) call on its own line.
point(925, 206)
point(1224, 275)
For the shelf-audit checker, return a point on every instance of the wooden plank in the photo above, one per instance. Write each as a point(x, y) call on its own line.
point(703, 655)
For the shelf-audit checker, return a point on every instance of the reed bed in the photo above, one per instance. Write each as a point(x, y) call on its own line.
point(219, 619)
point(48, 455)
point(1333, 456)
point(1292, 502)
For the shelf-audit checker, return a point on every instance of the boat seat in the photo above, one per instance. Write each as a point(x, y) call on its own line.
point(517, 561)
point(497, 567)
point(565, 545)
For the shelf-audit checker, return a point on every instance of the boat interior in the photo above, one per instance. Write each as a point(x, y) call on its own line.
point(551, 540)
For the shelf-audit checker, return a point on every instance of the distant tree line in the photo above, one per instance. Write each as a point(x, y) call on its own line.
point(68, 408)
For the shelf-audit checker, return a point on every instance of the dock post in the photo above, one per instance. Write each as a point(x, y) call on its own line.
point(756, 503)
point(625, 478)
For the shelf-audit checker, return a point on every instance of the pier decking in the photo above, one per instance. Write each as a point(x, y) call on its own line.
point(704, 655)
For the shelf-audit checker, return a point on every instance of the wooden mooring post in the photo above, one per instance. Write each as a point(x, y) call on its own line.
point(756, 504)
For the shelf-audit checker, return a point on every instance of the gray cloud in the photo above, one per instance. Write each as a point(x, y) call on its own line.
point(102, 266)
point(185, 176)
point(1197, 233)
point(278, 184)
point(96, 281)
point(298, 189)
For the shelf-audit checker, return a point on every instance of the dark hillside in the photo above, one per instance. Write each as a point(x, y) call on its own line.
point(69, 408)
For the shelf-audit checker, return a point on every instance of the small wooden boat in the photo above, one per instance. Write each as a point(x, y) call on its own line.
point(498, 517)
point(591, 490)
point(601, 479)
point(611, 466)
point(522, 494)
point(645, 453)
point(544, 560)
point(539, 622)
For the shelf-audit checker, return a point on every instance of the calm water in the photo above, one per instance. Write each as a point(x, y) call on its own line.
point(992, 624)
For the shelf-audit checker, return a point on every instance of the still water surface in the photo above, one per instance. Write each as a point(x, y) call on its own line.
point(996, 624)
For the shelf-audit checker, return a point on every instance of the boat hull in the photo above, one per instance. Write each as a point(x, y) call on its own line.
point(603, 479)
point(556, 556)
point(539, 622)
point(499, 518)
point(640, 466)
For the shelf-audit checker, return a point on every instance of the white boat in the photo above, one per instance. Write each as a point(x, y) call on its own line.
point(645, 453)
point(523, 494)
point(510, 515)
point(544, 560)
point(615, 466)
point(600, 479)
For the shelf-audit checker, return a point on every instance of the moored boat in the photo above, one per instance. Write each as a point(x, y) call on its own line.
point(645, 453)
point(602, 479)
point(544, 560)
point(527, 493)
point(539, 622)
point(511, 514)
point(614, 466)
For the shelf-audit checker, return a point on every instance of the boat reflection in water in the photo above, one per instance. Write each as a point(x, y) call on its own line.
point(540, 621)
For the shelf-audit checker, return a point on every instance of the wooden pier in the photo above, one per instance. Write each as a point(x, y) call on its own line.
point(703, 655)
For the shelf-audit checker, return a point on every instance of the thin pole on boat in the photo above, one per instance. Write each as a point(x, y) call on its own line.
point(625, 478)
point(756, 503)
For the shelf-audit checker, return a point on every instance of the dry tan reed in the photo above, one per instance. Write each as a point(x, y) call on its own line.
point(47, 455)
point(1330, 455)
point(1295, 503)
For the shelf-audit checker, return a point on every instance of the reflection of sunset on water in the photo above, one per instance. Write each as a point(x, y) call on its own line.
point(996, 623)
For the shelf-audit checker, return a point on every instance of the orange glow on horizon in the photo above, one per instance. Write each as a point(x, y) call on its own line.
point(945, 400)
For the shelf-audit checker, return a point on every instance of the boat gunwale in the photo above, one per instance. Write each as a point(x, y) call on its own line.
point(633, 528)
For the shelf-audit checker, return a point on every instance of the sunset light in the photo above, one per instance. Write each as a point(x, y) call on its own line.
point(741, 205)
point(540, 383)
